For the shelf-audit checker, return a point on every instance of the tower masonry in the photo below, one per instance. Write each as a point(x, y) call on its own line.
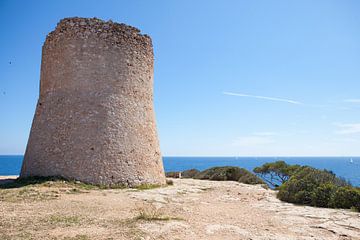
point(94, 119)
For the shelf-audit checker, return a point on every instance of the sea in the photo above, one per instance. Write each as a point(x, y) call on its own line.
point(345, 167)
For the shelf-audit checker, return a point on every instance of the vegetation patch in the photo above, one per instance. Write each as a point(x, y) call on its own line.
point(78, 237)
point(191, 173)
point(309, 186)
point(45, 188)
point(64, 221)
point(276, 173)
point(57, 182)
point(226, 173)
point(229, 174)
point(129, 228)
point(40, 188)
point(151, 213)
point(296, 184)
point(18, 236)
point(28, 194)
point(147, 186)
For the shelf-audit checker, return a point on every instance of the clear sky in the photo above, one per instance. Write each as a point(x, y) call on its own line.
point(246, 78)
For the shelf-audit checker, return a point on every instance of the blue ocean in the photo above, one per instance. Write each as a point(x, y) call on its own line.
point(345, 167)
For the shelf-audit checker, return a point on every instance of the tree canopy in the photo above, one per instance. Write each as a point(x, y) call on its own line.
point(276, 173)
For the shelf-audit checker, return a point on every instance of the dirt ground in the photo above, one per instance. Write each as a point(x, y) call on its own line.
point(189, 209)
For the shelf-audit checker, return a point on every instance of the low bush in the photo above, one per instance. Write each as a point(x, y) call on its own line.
point(189, 173)
point(322, 194)
point(320, 188)
point(229, 174)
point(346, 197)
point(250, 178)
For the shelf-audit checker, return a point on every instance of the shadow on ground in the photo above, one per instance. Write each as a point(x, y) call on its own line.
point(8, 183)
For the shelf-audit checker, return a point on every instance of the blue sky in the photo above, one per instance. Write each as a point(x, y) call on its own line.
point(247, 78)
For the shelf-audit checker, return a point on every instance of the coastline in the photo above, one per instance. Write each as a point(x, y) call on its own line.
point(9, 176)
point(339, 165)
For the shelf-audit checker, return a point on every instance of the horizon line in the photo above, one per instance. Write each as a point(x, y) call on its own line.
point(231, 156)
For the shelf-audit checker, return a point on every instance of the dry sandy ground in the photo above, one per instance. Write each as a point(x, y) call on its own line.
point(190, 209)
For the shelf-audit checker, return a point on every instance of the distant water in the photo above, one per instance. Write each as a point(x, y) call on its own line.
point(341, 166)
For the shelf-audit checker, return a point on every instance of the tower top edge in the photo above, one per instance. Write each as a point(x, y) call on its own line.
point(85, 27)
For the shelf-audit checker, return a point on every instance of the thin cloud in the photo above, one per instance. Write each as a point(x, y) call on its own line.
point(348, 128)
point(252, 141)
point(255, 139)
point(275, 99)
point(264, 134)
point(354, 100)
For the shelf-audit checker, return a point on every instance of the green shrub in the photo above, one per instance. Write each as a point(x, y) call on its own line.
point(189, 173)
point(296, 191)
point(321, 195)
point(345, 197)
point(321, 188)
point(219, 174)
point(229, 174)
point(250, 178)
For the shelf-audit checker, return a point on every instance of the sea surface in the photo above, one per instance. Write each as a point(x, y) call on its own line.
point(345, 167)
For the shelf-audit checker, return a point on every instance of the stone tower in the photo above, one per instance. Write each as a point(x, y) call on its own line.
point(94, 119)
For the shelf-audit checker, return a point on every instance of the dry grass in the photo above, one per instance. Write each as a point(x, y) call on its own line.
point(45, 188)
point(57, 182)
point(147, 186)
point(64, 220)
point(78, 237)
point(60, 220)
point(29, 236)
point(27, 194)
point(151, 213)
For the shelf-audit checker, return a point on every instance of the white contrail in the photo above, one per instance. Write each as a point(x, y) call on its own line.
point(263, 97)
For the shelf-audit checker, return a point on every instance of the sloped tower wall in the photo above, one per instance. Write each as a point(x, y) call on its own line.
point(94, 119)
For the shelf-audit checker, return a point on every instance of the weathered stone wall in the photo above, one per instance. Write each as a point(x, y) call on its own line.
point(94, 120)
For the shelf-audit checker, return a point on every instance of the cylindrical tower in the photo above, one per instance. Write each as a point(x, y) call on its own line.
point(94, 120)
